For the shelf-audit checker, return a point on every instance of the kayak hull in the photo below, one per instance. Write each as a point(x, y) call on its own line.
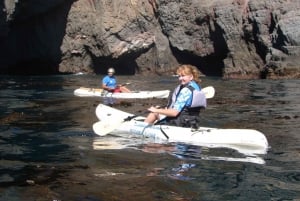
point(94, 92)
point(246, 141)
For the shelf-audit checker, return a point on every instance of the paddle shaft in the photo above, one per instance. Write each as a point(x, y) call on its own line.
point(124, 84)
point(129, 118)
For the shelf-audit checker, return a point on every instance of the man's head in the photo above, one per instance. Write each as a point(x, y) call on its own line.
point(111, 71)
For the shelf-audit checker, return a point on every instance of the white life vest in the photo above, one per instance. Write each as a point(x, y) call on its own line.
point(198, 100)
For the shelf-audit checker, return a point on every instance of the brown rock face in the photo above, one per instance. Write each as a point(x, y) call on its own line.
point(228, 38)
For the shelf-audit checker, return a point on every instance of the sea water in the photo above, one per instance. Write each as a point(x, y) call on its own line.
point(50, 152)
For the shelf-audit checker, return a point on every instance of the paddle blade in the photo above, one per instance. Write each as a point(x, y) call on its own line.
point(209, 92)
point(103, 128)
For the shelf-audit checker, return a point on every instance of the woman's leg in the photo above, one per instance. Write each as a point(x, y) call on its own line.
point(151, 118)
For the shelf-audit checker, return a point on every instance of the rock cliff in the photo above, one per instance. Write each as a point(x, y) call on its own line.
point(228, 38)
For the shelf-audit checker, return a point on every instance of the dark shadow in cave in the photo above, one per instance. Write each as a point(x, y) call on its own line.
point(261, 49)
point(212, 64)
point(209, 65)
point(33, 41)
point(32, 67)
point(123, 66)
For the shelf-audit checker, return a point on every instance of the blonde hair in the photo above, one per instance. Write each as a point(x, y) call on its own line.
point(187, 69)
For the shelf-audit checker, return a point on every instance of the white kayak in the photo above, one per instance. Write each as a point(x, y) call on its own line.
point(90, 92)
point(246, 141)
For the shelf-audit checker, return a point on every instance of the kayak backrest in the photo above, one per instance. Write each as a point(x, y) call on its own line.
point(199, 99)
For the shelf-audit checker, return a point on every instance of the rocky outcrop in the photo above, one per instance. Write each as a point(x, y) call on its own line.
point(228, 38)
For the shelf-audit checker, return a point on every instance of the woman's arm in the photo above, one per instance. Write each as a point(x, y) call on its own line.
point(164, 111)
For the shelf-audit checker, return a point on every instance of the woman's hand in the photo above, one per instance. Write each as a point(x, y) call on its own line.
point(153, 109)
point(164, 111)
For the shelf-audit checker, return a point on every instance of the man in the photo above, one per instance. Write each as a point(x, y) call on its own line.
point(109, 83)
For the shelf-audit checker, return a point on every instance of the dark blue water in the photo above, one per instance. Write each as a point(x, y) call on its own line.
point(49, 150)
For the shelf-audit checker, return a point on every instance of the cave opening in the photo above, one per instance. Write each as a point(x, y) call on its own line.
point(210, 65)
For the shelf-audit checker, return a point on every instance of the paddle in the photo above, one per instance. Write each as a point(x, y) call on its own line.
point(209, 92)
point(104, 127)
point(124, 84)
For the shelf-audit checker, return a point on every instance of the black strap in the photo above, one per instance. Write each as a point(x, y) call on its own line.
point(163, 132)
point(129, 118)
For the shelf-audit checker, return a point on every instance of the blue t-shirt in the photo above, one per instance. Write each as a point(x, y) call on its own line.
point(110, 81)
point(184, 98)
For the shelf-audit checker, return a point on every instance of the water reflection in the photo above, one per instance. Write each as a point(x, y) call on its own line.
point(49, 151)
point(179, 150)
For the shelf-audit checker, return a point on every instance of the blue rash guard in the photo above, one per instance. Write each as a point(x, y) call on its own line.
point(110, 81)
point(185, 97)
point(189, 110)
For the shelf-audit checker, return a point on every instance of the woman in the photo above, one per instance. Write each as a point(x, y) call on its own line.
point(184, 106)
point(109, 83)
